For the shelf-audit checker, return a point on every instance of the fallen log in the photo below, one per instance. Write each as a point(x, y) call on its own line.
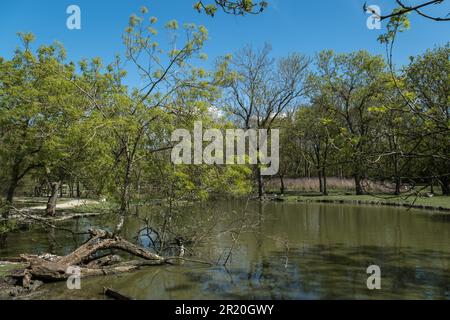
point(51, 268)
point(101, 240)
point(115, 295)
point(75, 216)
point(25, 217)
point(104, 261)
point(39, 218)
point(96, 257)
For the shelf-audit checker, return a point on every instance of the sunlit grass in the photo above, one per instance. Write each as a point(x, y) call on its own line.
point(435, 202)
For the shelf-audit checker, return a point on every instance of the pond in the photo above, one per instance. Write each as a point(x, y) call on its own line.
point(292, 251)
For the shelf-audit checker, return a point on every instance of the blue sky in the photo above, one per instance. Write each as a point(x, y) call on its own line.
point(289, 25)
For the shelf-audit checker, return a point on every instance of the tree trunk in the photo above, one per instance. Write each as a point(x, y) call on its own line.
point(12, 188)
point(260, 183)
point(126, 196)
point(324, 176)
point(319, 174)
point(115, 295)
point(445, 185)
point(282, 186)
point(10, 194)
point(56, 268)
point(307, 173)
point(398, 179)
point(398, 186)
point(71, 189)
point(51, 203)
point(78, 190)
point(358, 185)
point(61, 191)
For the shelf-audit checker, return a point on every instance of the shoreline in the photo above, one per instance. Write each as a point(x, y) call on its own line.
point(421, 203)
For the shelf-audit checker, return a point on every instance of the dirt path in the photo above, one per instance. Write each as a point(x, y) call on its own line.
point(68, 204)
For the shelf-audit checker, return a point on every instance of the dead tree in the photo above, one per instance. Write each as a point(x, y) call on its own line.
point(49, 268)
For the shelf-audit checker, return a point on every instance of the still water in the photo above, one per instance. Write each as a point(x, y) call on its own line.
point(293, 251)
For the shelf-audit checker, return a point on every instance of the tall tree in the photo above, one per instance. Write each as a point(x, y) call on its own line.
point(134, 113)
point(353, 83)
point(318, 132)
point(261, 89)
point(428, 81)
point(29, 107)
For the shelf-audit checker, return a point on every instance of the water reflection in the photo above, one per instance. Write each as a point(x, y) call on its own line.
point(294, 251)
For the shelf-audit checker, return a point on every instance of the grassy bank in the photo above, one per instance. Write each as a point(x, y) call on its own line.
point(67, 209)
point(440, 203)
point(7, 269)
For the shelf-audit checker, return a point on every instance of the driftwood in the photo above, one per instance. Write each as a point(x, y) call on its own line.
point(9, 260)
point(115, 295)
point(26, 214)
point(49, 268)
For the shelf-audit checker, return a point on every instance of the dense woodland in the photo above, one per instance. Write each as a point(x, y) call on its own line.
point(79, 126)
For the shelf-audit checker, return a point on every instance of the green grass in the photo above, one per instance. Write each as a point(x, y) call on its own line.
point(436, 202)
point(7, 269)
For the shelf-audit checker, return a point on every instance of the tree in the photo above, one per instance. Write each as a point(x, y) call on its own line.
point(395, 138)
point(133, 113)
point(47, 129)
point(318, 132)
point(427, 80)
point(352, 84)
point(29, 105)
point(289, 147)
point(260, 90)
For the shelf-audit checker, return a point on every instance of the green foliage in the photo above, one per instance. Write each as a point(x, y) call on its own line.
point(397, 23)
point(78, 123)
point(8, 227)
point(235, 7)
point(61, 125)
point(363, 123)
